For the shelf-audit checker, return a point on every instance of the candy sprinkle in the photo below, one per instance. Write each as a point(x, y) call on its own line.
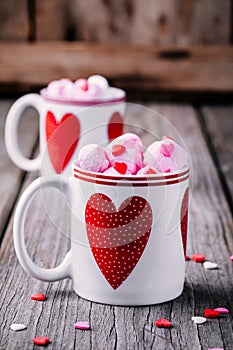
point(209, 313)
point(231, 258)
point(222, 310)
point(120, 167)
point(41, 340)
point(210, 265)
point(198, 319)
point(198, 257)
point(187, 258)
point(84, 325)
point(163, 323)
point(18, 326)
point(117, 150)
point(39, 296)
point(215, 349)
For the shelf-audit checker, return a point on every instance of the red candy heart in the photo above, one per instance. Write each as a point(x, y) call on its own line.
point(198, 257)
point(115, 126)
point(39, 296)
point(117, 150)
point(62, 139)
point(120, 167)
point(41, 340)
point(85, 86)
point(184, 220)
point(150, 171)
point(117, 238)
point(162, 322)
point(209, 313)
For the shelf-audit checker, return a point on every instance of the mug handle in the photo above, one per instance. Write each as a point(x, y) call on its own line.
point(11, 131)
point(48, 275)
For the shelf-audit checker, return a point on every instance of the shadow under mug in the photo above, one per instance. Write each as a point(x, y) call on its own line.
point(65, 126)
point(128, 235)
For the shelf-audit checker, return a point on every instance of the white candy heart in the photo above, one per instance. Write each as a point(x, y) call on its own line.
point(198, 319)
point(18, 326)
point(210, 265)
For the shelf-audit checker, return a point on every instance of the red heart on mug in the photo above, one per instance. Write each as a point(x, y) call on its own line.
point(184, 219)
point(115, 126)
point(62, 139)
point(117, 238)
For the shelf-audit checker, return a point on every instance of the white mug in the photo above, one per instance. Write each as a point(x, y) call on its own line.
point(128, 235)
point(65, 126)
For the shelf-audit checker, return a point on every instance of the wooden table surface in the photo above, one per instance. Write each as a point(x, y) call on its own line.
point(207, 132)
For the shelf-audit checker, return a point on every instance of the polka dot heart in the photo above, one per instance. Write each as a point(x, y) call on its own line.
point(117, 238)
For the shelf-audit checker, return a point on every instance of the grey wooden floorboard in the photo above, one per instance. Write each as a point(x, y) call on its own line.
point(11, 176)
point(126, 327)
point(219, 124)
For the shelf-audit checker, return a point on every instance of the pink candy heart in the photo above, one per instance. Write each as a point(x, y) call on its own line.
point(167, 150)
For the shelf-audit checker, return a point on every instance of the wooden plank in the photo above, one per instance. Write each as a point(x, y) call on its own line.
point(127, 327)
point(50, 20)
point(14, 24)
point(11, 176)
point(194, 69)
point(203, 22)
point(219, 125)
point(159, 22)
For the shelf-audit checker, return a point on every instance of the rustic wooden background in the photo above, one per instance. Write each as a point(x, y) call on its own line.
point(164, 22)
point(170, 47)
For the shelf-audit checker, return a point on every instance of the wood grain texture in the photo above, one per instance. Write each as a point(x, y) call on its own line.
point(219, 123)
point(203, 22)
point(156, 22)
point(127, 327)
point(11, 176)
point(14, 20)
point(132, 67)
point(50, 20)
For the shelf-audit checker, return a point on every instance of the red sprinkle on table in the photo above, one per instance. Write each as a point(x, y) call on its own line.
point(39, 296)
point(162, 322)
point(41, 340)
point(120, 167)
point(187, 258)
point(117, 150)
point(209, 313)
point(198, 257)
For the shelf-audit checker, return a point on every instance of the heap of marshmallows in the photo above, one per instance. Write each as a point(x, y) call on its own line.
point(125, 155)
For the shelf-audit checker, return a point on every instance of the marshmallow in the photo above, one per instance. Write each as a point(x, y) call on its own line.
point(94, 158)
point(166, 156)
point(94, 88)
point(127, 148)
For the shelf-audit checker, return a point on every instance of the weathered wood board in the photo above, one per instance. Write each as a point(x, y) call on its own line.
point(132, 67)
point(14, 20)
point(127, 327)
point(219, 125)
point(166, 22)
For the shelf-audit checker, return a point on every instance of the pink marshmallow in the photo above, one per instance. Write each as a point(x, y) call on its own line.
point(131, 154)
point(166, 156)
point(94, 158)
point(94, 88)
